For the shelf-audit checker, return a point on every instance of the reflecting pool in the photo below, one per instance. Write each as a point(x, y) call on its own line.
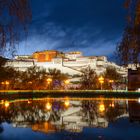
point(70, 119)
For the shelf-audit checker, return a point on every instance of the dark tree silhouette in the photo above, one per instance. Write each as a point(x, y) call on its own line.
point(89, 79)
point(1, 128)
point(129, 48)
point(111, 74)
point(2, 61)
point(14, 16)
point(57, 78)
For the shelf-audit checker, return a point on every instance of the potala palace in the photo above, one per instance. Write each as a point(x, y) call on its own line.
point(70, 62)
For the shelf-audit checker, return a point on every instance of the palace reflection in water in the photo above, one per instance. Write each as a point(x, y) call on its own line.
point(51, 115)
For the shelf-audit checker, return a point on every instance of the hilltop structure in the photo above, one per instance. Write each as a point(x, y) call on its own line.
point(71, 62)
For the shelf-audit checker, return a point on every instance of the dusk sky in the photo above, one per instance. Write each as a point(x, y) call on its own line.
point(91, 26)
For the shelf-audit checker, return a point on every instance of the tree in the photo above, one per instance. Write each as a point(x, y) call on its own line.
point(112, 112)
point(8, 77)
point(57, 77)
point(14, 15)
point(89, 79)
point(2, 61)
point(33, 78)
point(129, 48)
point(111, 74)
point(90, 111)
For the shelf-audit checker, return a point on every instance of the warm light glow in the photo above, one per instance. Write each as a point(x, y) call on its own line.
point(101, 107)
point(101, 78)
point(2, 83)
point(139, 100)
point(49, 80)
point(6, 104)
point(67, 103)
point(111, 81)
point(101, 82)
point(29, 101)
point(48, 106)
point(7, 83)
point(111, 105)
point(66, 82)
point(2, 101)
point(30, 82)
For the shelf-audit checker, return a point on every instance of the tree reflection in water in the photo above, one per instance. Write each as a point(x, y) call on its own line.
point(112, 112)
point(112, 109)
point(79, 114)
point(1, 128)
point(89, 109)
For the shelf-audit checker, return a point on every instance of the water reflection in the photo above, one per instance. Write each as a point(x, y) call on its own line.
point(51, 115)
point(134, 111)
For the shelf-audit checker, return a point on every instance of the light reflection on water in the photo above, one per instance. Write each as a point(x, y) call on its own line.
point(65, 118)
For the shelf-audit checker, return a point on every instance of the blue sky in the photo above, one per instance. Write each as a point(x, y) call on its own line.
point(92, 26)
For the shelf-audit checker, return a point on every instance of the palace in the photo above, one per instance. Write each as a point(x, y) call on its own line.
point(71, 62)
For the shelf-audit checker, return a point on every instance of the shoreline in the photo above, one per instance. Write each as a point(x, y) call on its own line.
point(19, 94)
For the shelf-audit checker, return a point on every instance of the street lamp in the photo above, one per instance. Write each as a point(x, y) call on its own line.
point(49, 80)
point(6, 84)
point(66, 103)
point(101, 81)
point(111, 105)
point(48, 106)
point(2, 83)
point(101, 107)
point(66, 82)
point(6, 104)
point(111, 81)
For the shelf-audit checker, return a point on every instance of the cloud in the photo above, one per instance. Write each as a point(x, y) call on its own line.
point(55, 37)
point(92, 26)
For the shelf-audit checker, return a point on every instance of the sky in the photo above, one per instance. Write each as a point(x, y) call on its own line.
point(94, 27)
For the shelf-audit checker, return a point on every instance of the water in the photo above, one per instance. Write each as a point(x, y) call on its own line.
point(70, 119)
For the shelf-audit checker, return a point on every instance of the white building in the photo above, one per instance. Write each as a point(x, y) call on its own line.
point(71, 63)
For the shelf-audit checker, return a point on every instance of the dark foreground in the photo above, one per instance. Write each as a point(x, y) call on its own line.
point(115, 131)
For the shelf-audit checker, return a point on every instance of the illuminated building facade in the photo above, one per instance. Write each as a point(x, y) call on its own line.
point(70, 62)
point(46, 56)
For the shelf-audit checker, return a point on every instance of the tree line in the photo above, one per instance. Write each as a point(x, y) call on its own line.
point(37, 78)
